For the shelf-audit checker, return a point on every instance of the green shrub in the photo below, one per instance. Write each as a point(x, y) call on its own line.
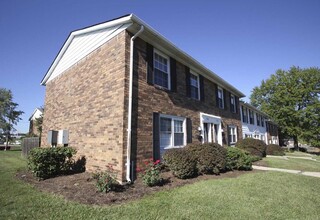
point(210, 157)
point(253, 146)
point(238, 159)
point(180, 162)
point(50, 162)
point(255, 158)
point(273, 149)
point(106, 181)
point(150, 173)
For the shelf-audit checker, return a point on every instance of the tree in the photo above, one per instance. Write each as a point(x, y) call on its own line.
point(9, 116)
point(292, 99)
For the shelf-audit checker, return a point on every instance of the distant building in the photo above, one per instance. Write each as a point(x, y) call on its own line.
point(257, 125)
point(37, 113)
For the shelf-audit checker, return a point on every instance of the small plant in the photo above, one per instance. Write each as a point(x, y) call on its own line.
point(238, 159)
point(106, 181)
point(150, 173)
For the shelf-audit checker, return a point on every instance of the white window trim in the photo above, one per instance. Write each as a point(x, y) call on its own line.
point(236, 134)
point(198, 80)
point(156, 51)
point(172, 117)
point(213, 119)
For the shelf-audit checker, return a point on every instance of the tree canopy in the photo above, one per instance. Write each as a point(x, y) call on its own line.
point(9, 115)
point(292, 99)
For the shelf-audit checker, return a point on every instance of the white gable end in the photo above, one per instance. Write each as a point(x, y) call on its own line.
point(80, 45)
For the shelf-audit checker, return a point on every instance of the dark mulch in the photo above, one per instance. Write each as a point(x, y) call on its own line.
point(81, 187)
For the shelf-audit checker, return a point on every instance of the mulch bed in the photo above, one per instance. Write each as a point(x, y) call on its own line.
point(81, 187)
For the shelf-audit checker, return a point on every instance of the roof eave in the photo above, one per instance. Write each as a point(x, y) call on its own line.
point(208, 73)
point(121, 20)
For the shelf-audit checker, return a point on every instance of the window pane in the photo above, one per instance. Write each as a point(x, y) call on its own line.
point(194, 92)
point(178, 126)
point(178, 139)
point(160, 78)
point(193, 80)
point(160, 70)
point(165, 125)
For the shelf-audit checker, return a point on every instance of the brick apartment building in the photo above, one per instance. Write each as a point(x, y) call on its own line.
point(121, 93)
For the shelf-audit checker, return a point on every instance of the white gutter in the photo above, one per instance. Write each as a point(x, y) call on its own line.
point(130, 104)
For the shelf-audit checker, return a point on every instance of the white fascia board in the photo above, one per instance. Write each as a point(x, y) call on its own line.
point(196, 65)
point(123, 20)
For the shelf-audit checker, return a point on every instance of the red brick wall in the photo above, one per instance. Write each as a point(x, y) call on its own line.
point(150, 99)
point(88, 101)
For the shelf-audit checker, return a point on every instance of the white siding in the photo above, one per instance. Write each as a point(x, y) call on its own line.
point(253, 129)
point(81, 45)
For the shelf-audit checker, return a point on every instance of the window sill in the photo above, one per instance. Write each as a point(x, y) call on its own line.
point(161, 88)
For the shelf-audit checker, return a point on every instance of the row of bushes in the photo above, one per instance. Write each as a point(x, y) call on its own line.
point(258, 148)
point(212, 158)
point(209, 158)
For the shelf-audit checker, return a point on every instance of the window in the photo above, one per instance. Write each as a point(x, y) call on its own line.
point(262, 121)
point(220, 98)
point(172, 132)
point(232, 135)
point(258, 119)
point(161, 70)
point(244, 115)
point(251, 116)
point(233, 103)
point(194, 86)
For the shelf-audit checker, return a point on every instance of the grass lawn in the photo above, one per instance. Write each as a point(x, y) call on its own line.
point(263, 195)
point(295, 163)
point(302, 154)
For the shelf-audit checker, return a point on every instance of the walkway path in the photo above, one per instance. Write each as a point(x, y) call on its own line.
point(314, 174)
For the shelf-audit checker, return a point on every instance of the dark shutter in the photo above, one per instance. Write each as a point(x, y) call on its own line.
point(156, 136)
point(237, 103)
point(189, 131)
point(230, 101)
point(201, 87)
point(173, 73)
point(225, 104)
point(188, 92)
point(149, 63)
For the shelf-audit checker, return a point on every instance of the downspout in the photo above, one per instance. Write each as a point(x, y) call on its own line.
point(130, 104)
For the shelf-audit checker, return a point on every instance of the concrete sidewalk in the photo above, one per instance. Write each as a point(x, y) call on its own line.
point(314, 174)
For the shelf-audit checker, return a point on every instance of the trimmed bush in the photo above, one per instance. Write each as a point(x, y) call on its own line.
point(50, 162)
point(238, 159)
point(180, 162)
point(210, 157)
point(253, 146)
point(273, 149)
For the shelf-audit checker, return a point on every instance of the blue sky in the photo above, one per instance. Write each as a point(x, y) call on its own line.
point(241, 41)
